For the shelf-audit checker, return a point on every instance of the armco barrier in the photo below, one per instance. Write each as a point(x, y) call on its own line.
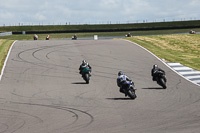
point(5, 33)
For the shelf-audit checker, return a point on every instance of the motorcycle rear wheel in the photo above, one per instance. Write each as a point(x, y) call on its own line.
point(163, 84)
point(87, 78)
point(131, 94)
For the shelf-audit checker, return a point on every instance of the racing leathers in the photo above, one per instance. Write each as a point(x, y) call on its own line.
point(84, 65)
point(121, 79)
point(154, 73)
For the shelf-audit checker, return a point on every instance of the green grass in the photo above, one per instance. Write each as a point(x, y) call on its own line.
point(173, 48)
point(101, 26)
point(184, 49)
point(4, 48)
point(100, 34)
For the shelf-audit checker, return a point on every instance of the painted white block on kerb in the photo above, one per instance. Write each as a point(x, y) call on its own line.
point(193, 72)
point(174, 64)
point(95, 37)
point(182, 68)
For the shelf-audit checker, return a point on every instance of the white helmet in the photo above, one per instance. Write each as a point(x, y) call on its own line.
point(84, 62)
point(155, 66)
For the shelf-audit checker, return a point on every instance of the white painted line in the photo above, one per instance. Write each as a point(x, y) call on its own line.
point(147, 51)
point(174, 64)
point(182, 68)
point(169, 65)
point(4, 65)
point(196, 81)
point(192, 72)
point(192, 77)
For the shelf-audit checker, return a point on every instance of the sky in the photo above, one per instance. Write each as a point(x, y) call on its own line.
point(56, 12)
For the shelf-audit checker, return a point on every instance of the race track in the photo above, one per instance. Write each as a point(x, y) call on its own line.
point(41, 91)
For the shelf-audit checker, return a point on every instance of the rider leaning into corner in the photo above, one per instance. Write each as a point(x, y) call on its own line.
point(154, 72)
point(122, 77)
point(84, 65)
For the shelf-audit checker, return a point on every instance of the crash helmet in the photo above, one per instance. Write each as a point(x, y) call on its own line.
point(120, 73)
point(84, 62)
point(155, 66)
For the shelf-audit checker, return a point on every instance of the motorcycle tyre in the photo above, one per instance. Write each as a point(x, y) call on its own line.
point(87, 78)
point(163, 84)
point(131, 94)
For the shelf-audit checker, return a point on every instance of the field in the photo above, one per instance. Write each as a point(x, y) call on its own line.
point(184, 49)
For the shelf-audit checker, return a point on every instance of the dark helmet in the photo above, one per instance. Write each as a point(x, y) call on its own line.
point(155, 66)
point(120, 73)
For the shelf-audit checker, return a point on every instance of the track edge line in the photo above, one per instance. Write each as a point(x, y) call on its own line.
point(161, 61)
point(4, 65)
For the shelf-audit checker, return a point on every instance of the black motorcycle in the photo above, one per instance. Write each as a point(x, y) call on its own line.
point(161, 79)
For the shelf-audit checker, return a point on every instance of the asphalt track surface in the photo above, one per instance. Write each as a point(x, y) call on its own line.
point(41, 91)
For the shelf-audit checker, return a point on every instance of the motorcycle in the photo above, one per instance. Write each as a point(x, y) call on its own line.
point(129, 89)
point(161, 79)
point(35, 37)
point(86, 74)
point(74, 37)
point(47, 38)
point(192, 32)
point(128, 35)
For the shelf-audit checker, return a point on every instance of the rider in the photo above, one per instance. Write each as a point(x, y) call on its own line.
point(154, 72)
point(75, 37)
point(47, 38)
point(35, 37)
point(122, 78)
point(84, 65)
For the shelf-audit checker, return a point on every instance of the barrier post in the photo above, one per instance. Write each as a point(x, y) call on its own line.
point(95, 37)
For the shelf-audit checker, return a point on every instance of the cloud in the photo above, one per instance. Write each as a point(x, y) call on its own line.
point(95, 11)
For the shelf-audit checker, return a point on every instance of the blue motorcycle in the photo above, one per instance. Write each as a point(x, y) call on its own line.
point(129, 89)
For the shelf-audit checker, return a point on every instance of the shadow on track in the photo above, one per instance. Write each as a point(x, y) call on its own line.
point(79, 83)
point(154, 88)
point(119, 98)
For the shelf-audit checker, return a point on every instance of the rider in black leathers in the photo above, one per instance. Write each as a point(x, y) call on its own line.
point(155, 71)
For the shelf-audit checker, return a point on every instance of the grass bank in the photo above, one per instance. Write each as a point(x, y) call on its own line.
point(184, 49)
point(100, 34)
point(105, 27)
point(4, 48)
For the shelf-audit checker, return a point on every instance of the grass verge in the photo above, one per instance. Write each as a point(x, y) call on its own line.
point(4, 48)
point(110, 27)
point(184, 49)
point(100, 34)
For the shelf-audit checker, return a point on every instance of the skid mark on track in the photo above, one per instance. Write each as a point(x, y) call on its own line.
point(74, 125)
point(20, 117)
